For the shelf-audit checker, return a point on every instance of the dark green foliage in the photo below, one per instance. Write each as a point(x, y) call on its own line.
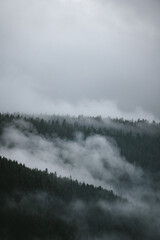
point(14, 175)
point(36, 204)
point(139, 141)
point(39, 205)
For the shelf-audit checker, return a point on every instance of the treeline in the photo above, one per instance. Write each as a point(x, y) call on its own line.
point(38, 205)
point(14, 175)
point(138, 141)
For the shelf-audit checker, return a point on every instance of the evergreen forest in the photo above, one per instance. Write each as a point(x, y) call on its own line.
point(79, 178)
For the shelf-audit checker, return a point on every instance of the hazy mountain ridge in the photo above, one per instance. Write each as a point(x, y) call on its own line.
point(134, 135)
point(119, 155)
point(38, 205)
point(79, 120)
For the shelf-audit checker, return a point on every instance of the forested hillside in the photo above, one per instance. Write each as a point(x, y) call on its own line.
point(91, 178)
point(139, 141)
point(38, 205)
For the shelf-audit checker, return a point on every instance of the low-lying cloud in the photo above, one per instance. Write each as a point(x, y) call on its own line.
point(95, 160)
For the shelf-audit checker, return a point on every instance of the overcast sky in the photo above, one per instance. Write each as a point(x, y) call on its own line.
point(91, 57)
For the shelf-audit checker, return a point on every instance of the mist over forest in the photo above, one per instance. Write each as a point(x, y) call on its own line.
point(79, 120)
point(66, 177)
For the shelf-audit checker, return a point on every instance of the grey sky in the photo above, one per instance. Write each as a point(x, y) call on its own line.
point(80, 57)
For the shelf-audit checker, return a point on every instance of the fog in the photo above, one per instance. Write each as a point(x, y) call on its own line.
point(95, 160)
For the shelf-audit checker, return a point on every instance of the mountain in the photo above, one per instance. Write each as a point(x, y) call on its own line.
point(109, 183)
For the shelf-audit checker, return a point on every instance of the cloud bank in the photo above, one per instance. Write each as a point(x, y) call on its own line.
point(95, 160)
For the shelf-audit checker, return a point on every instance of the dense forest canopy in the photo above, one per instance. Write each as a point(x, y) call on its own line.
point(138, 141)
point(91, 178)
